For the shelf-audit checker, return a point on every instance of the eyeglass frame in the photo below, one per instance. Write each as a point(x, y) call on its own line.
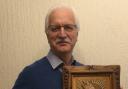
point(67, 27)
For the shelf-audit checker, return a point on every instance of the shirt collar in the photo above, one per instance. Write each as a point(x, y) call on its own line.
point(56, 61)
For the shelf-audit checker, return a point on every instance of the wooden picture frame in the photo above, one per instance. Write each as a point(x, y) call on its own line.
point(91, 77)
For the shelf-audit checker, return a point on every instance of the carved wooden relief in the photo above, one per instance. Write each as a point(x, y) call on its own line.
point(91, 77)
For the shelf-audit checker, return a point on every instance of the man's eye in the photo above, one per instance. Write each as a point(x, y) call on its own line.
point(54, 29)
point(68, 28)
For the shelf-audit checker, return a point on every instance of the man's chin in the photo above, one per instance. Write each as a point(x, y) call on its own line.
point(64, 50)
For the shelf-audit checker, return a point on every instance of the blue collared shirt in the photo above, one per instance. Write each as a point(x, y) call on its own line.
point(56, 61)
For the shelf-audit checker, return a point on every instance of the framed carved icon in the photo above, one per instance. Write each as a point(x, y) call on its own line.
point(91, 77)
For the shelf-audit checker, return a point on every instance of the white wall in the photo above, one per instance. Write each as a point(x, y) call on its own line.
point(103, 38)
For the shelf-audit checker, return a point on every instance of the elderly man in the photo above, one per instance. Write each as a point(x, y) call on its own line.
point(61, 28)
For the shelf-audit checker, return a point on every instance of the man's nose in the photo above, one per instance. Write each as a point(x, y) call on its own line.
point(62, 32)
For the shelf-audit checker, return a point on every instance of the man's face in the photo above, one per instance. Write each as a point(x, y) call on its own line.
point(62, 31)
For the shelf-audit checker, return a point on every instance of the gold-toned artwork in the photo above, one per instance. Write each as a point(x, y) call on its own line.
point(91, 77)
point(91, 83)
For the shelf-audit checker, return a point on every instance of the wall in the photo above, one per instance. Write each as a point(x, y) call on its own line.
point(103, 38)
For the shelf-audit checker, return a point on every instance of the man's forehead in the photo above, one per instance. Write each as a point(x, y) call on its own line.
point(62, 14)
point(62, 9)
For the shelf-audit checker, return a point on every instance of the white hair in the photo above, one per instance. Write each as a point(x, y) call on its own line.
point(61, 7)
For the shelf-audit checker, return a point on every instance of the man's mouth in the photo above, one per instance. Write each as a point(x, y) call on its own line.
point(63, 43)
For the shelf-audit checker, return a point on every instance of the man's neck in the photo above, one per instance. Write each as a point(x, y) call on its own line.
point(65, 57)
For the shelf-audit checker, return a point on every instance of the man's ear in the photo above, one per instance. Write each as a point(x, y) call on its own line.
point(77, 33)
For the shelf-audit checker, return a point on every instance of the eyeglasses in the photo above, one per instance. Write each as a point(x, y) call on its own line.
point(67, 27)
